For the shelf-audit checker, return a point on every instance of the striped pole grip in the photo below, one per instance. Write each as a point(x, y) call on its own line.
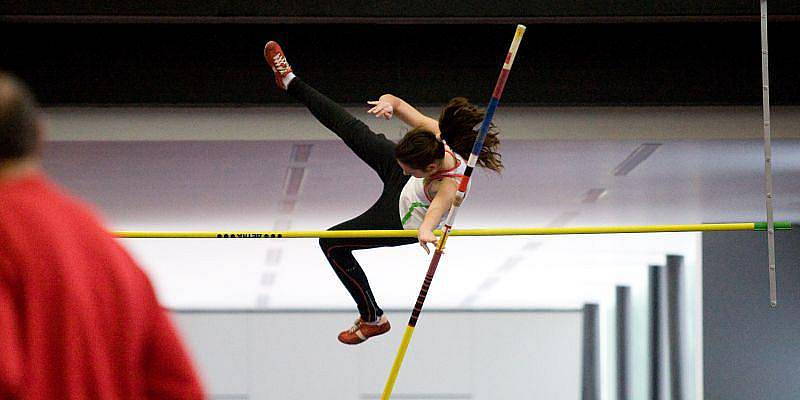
point(426, 285)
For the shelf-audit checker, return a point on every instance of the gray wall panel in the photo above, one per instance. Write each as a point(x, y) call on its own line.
point(750, 350)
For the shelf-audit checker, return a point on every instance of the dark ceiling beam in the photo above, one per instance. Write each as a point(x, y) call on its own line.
point(274, 20)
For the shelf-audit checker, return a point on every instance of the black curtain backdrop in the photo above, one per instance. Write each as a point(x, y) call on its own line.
point(709, 63)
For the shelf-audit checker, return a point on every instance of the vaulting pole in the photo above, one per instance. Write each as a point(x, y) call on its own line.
point(462, 192)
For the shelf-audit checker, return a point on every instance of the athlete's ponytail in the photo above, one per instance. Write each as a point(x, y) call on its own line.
point(457, 124)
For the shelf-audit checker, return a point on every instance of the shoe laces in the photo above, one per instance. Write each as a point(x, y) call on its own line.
point(356, 325)
point(280, 63)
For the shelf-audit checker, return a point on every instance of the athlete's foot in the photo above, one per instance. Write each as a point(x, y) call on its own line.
point(277, 61)
point(361, 331)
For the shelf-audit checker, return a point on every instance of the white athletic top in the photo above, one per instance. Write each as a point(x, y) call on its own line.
point(415, 200)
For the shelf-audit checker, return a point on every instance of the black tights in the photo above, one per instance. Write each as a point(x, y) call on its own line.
point(378, 152)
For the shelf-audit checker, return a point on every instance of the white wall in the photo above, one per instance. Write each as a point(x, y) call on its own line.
point(453, 354)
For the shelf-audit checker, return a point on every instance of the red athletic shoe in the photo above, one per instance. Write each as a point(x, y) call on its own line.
point(277, 61)
point(361, 331)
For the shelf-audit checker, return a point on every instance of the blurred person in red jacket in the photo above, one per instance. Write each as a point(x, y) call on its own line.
point(78, 318)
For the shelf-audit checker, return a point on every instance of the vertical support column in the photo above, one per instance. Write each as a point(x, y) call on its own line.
point(623, 297)
point(655, 283)
point(674, 321)
point(591, 351)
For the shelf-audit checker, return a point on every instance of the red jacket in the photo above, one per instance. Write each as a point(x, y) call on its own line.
point(78, 318)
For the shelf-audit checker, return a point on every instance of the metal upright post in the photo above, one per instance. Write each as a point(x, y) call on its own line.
point(773, 291)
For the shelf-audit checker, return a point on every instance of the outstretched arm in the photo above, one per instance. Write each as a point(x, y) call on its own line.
point(388, 105)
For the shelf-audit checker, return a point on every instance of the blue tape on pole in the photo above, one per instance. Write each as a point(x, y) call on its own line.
point(476, 149)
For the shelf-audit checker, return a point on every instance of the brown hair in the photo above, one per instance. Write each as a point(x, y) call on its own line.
point(457, 123)
point(419, 148)
point(19, 135)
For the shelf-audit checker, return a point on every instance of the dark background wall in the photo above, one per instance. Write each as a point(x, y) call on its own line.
point(612, 53)
point(750, 351)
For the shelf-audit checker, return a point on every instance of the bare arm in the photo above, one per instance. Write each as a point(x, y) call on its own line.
point(442, 201)
point(389, 104)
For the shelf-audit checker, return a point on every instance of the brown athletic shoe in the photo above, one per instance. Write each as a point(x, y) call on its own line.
point(361, 331)
point(277, 61)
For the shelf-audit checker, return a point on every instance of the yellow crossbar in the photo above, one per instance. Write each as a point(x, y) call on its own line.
point(739, 226)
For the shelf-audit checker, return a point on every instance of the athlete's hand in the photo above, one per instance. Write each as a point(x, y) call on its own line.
point(381, 108)
point(426, 236)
